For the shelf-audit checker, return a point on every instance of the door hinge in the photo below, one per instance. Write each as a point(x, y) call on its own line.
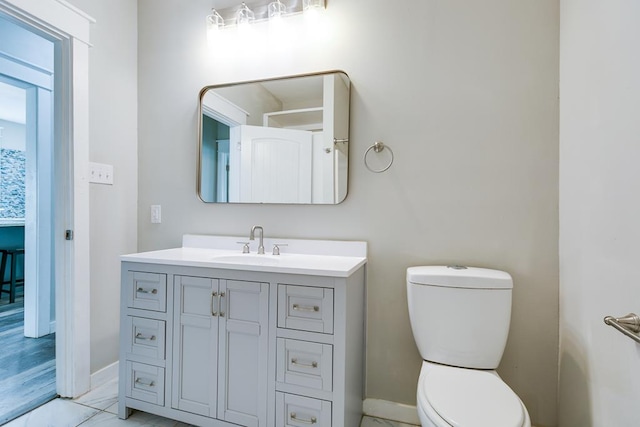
point(68, 234)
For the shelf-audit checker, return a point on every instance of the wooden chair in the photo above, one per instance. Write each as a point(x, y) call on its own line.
point(13, 280)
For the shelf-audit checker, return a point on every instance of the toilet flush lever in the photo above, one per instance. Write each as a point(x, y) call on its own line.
point(629, 325)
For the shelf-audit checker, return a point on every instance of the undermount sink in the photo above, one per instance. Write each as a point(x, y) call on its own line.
point(247, 259)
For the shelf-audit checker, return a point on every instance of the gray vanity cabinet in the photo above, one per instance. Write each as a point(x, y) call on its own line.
point(222, 347)
point(219, 343)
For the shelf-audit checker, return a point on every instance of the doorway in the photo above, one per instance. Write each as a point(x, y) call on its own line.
point(68, 28)
point(27, 181)
point(27, 193)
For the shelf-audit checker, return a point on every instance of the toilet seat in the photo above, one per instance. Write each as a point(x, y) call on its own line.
point(467, 397)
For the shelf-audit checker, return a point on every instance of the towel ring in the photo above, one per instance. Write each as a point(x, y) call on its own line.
point(377, 147)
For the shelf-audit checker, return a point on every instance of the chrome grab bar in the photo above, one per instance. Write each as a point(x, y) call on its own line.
point(628, 325)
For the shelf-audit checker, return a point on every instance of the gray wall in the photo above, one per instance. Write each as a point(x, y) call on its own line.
point(466, 94)
point(113, 135)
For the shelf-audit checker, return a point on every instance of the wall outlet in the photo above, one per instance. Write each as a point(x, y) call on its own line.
point(100, 173)
point(156, 214)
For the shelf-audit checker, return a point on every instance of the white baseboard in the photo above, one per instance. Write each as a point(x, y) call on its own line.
point(104, 375)
point(391, 411)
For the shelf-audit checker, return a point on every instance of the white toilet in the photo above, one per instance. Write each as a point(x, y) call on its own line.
point(460, 320)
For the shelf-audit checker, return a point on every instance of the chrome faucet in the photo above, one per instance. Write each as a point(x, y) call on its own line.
point(253, 237)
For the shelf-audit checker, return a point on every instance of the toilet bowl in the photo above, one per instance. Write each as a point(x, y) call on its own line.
point(458, 397)
point(460, 321)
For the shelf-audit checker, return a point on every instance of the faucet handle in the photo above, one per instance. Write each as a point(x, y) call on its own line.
point(276, 248)
point(245, 248)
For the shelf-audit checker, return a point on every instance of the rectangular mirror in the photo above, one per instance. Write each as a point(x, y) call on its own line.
point(283, 140)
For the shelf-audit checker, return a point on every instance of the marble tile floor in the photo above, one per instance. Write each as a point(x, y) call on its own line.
point(99, 408)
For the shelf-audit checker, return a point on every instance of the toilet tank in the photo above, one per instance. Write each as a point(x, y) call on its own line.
point(460, 315)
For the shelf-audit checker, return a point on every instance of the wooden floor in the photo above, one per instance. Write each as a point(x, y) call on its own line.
point(27, 365)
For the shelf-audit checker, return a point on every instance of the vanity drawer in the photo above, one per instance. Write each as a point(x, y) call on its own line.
point(148, 291)
point(298, 411)
point(304, 363)
point(147, 337)
point(145, 382)
point(305, 308)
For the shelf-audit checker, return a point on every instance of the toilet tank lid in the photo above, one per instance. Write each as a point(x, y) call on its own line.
point(459, 277)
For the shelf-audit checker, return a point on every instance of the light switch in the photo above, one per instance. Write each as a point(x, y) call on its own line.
point(100, 173)
point(156, 214)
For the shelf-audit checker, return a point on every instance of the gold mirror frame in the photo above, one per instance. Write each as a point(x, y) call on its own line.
point(282, 141)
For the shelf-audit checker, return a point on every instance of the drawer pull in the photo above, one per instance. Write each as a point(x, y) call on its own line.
point(305, 307)
point(145, 383)
point(305, 365)
point(293, 417)
point(147, 291)
point(139, 336)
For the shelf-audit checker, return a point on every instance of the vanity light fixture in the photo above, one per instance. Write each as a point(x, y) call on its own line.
point(214, 21)
point(277, 10)
point(260, 10)
point(245, 16)
point(312, 5)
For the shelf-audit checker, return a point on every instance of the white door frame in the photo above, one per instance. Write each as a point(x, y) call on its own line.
point(69, 28)
point(38, 232)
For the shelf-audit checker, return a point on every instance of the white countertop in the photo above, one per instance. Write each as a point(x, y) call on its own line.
point(310, 257)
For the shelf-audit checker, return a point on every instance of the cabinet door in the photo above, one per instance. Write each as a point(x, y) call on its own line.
point(195, 345)
point(243, 364)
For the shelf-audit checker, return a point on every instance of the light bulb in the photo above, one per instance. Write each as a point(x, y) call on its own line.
point(214, 21)
point(245, 16)
point(309, 5)
point(276, 9)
